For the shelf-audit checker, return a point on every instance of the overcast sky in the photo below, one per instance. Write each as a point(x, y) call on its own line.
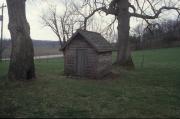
point(33, 11)
point(38, 32)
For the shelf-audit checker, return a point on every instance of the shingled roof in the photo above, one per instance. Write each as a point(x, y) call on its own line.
point(96, 40)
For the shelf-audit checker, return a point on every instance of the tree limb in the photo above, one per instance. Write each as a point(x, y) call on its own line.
point(155, 15)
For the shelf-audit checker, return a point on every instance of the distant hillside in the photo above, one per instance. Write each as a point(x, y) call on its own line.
point(41, 47)
point(38, 43)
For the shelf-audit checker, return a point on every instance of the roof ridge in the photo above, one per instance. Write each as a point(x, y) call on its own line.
point(96, 40)
point(88, 31)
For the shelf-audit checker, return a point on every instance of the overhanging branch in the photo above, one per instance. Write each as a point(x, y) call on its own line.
point(155, 15)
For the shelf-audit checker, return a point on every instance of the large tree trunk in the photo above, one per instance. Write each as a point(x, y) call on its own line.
point(124, 54)
point(22, 63)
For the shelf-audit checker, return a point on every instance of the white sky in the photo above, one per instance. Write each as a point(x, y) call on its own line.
point(38, 32)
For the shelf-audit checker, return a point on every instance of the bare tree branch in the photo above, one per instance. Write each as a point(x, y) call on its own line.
point(155, 15)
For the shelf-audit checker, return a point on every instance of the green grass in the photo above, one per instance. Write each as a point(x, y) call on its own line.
point(149, 91)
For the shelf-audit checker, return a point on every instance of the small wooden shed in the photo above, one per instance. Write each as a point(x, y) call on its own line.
point(87, 54)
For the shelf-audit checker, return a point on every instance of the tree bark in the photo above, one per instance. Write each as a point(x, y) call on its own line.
point(22, 63)
point(124, 54)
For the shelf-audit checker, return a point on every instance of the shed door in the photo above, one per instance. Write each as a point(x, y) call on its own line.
point(81, 61)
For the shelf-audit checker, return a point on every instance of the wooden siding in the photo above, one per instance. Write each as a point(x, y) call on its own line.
point(71, 57)
point(96, 65)
point(104, 63)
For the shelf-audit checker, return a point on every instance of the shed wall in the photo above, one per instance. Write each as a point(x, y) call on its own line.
point(104, 63)
point(71, 57)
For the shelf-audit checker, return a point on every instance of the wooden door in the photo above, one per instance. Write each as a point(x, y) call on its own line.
point(81, 61)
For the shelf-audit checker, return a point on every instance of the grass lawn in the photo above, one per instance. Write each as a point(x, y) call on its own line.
point(151, 91)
